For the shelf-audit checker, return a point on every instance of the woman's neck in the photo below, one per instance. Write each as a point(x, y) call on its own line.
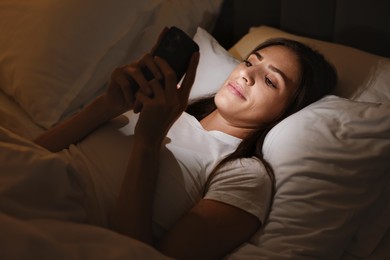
point(216, 122)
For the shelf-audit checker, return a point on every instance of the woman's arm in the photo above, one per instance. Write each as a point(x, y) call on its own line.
point(210, 230)
point(117, 99)
point(133, 211)
point(75, 128)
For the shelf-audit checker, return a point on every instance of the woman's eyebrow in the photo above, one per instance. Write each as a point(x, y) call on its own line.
point(281, 73)
point(271, 67)
point(258, 55)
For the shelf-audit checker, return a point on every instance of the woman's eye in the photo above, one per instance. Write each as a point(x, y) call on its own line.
point(247, 63)
point(269, 82)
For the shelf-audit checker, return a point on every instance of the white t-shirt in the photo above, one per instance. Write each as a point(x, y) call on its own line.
point(188, 157)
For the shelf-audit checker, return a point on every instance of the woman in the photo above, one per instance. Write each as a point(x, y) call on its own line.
point(215, 190)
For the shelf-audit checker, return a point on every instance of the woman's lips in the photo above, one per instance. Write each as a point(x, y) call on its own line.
point(236, 90)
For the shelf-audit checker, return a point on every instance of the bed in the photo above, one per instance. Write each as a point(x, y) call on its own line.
point(331, 160)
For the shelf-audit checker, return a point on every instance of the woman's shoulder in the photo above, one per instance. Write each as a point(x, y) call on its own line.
point(243, 183)
point(251, 168)
point(249, 163)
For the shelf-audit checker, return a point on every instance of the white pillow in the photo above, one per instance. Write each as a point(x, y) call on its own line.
point(215, 64)
point(362, 76)
point(331, 164)
point(50, 49)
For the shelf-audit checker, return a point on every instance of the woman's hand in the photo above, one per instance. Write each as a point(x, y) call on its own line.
point(119, 96)
point(162, 103)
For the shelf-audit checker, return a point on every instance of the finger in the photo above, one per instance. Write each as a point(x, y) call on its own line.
point(134, 73)
point(127, 93)
point(140, 101)
point(137, 106)
point(152, 70)
point(170, 78)
point(157, 88)
point(189, 78)
point(147, 90)
point(119, 79)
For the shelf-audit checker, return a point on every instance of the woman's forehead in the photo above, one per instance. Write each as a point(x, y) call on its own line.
point(283, 58)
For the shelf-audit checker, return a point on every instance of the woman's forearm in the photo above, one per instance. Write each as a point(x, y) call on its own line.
point(132, 214)
point(162, 105)
point(75, 128)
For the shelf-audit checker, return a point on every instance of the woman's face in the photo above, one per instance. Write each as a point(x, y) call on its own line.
point(260, 88)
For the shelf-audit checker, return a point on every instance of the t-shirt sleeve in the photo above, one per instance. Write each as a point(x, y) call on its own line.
point(245, 184)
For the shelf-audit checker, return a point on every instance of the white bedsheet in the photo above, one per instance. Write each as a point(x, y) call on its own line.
point(42, 214)
point(13, 117)
point(53, 239)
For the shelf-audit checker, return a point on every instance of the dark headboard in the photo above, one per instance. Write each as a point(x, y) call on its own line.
point(363, 24)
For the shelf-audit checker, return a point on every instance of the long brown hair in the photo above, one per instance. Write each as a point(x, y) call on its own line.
point(318, 78)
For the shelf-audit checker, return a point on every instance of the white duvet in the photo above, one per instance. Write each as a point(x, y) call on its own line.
point(42, 214)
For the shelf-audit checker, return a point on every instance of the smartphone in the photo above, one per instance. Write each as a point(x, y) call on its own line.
point(176, 47)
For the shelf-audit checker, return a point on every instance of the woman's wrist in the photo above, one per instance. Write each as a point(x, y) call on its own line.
point(148, 144)
point(103, 109)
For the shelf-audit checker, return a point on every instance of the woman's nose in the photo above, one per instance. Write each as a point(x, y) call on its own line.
point(247, 76)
